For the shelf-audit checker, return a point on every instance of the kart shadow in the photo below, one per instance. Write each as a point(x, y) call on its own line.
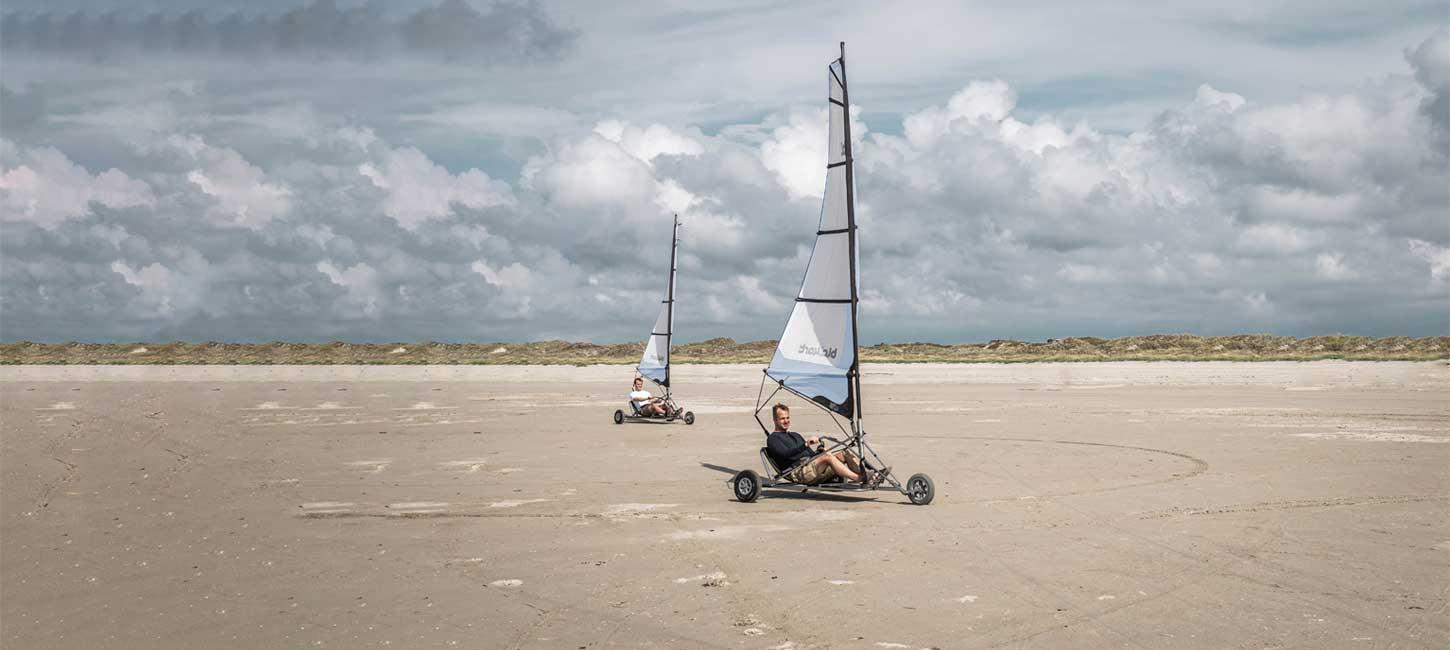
point(811, 495)
point(720, 468)
point(793, 492)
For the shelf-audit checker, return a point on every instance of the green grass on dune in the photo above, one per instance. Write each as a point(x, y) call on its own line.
point(1158, 347)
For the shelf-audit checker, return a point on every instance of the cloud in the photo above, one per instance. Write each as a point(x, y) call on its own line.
point(23, 109)
point(362, 286)
point(44, 187)
point(452, 31)
point(219, 218)
point(417, 188)
point(1330, 266)
point(795, 148)
point(240, 190)
point(1431, 63)
point(980, 103)
point(649, 142)
point(1438, 258)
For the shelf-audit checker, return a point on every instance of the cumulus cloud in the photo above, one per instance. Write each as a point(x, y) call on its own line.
point(979, 220)
point(452, 30)
point(1438, 258)
point(795, 148)
point(1331, 266)
point(1431, 63)
point(240, 190)
point(44, 187)
point(418, 189)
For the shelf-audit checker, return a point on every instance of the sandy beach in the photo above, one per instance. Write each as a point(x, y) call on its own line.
point(1085, 505)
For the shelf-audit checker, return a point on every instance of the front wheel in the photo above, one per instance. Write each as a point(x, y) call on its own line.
point(689, 417)
point(920, 489)
point(746, 486)
point(618, 416)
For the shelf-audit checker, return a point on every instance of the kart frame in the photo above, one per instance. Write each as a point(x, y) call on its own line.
point(630, 413)
point(747, 484)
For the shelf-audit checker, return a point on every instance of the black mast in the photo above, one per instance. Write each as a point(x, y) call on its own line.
point(853, 376)
point(670, 301)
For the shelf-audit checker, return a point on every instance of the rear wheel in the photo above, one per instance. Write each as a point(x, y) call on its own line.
point(920, 489)
point(746, 486)
point(689, 417)
point(618, 416)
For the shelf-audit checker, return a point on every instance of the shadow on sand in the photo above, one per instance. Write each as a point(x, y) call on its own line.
point(793, 492)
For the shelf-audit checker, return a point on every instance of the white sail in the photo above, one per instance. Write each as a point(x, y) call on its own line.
point(655, 364)
point(817, 351)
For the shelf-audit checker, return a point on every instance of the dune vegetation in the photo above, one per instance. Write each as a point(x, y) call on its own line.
point(1158, 347)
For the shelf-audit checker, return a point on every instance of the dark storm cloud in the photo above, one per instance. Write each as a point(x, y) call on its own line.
point(451, 31)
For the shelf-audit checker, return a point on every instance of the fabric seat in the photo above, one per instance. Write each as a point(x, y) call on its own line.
point(769, 462)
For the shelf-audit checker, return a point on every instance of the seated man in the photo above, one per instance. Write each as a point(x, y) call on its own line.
point(647, 405)
point(787, 448)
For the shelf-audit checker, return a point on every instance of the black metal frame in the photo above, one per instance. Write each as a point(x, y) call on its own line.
point(855, 437)
point(632, 414)
point(778, 477)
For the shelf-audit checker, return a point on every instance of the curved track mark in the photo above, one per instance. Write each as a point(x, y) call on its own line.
point(1199, 465)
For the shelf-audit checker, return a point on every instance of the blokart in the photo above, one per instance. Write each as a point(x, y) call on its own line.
point(673, 412)
point(654, 365)
point(817, 358)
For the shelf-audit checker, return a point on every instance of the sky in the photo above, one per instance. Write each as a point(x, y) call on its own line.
point(451, 170)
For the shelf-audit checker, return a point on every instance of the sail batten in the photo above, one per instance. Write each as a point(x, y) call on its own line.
point(816, 356)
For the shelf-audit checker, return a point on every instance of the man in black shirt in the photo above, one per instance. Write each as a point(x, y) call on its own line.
point(787, 448)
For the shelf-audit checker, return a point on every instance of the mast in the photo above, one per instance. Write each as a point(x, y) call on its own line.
point(670, 301)
point(853, 377)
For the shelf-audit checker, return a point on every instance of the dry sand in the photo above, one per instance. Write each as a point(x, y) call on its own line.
point(1156, 505)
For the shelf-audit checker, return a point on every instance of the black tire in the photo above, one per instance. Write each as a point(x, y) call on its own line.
point(618, 417)
point(689, 417)
point(920, 489)
point(746, 486)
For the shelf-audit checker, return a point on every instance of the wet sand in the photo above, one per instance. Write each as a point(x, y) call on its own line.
point(1159, 505)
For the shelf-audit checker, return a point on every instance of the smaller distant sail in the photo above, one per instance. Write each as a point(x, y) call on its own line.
point(655, 364)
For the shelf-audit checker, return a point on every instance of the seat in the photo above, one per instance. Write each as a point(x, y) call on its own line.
point(769, 462)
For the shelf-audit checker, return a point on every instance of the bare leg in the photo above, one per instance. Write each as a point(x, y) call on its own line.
point(841, 469)
point(851, 460)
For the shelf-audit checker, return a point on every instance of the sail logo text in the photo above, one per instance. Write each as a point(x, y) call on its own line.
point(811, 350)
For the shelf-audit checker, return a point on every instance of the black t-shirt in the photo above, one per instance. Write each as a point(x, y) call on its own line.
point(787, 448)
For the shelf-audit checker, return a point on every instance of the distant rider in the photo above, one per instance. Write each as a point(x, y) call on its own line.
point(646, 404)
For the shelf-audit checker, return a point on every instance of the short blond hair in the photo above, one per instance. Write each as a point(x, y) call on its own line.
point(775, 410)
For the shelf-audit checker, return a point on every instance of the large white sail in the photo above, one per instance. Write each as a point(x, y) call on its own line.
point(816, 356)
point(655, 364)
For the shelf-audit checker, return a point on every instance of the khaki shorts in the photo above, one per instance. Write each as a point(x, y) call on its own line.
point(812, 473)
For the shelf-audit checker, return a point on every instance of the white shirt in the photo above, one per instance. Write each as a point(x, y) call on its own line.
point(639, 397)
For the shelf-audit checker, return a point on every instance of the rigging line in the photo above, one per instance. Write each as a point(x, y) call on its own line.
point(838, 164)
point(833, 101)
point(835, 417)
